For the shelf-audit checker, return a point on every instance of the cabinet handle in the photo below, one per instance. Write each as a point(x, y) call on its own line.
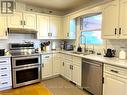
point(4, 75)
point(67, 34)
point(115, 31)
point(3, 68)
point(4, 83)
point(21, 22)
point(63, 63)
point(46, 56)
point(42, 65)
point(119, 30)
point(24, 22)
point(3, 61)
point(114, 71)
point(72, 67)
point(49, 34)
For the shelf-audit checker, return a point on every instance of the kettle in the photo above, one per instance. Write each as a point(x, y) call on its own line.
point(109, 52)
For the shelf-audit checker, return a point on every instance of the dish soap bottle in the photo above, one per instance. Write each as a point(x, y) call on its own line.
point(122, 53)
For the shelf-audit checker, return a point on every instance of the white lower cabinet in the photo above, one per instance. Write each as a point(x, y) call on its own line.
point(71, 68)
point(5, 74)
point(46, 65)
point(114, 83)
point(56, 63)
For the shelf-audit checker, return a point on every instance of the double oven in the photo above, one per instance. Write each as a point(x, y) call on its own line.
point(25, 70)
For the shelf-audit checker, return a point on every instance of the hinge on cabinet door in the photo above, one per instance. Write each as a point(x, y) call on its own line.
point(103, 80)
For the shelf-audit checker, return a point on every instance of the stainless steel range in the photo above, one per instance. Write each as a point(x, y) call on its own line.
point(25, 64)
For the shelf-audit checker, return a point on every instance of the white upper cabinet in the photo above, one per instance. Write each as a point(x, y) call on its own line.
point(15, 20)
point(3, 27)
point(114, 24)
point(43, 26)
point(69, 28)
point(110, 20)
point(56, 26)
point(20, 20)
point(123, 18)
point(29, 20)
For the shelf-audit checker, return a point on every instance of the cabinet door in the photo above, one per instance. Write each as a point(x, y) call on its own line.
point(47, 66)
point(56, 26)
point(110, 15)
point(15, 20)
point(68, 71)
point(43, 26)
point(76, 76)
point(114, 85)
point(56, 64)
point(66, 21)
point(29, 20)
point(123, 18)
point(3, 27)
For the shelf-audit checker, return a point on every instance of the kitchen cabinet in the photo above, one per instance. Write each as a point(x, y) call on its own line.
point(76, 70)
point(49, 27)
point(43, 27)
point(69, 28)
point(56, 64)
point(56, 27)
point(22, 20)
point(29, 20)
point(15, 20)
point(71, 68)
point(115, 81)
point(5, 74)
point(3, 27)
point(46, 65)
point(114, 20)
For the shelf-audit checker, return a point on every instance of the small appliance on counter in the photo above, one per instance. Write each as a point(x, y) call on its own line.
point(2, 52)
point(122, 53)
point(109, 52)
point(79, 49)
point(68, 47)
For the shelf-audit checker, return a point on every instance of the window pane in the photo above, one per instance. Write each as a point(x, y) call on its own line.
point(92, 23)
point(93, 37)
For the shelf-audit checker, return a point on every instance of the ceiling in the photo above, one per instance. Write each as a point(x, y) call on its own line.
point(58, 5)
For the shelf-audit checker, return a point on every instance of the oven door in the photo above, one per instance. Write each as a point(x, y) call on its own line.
point(18, 62)
point(26, 75)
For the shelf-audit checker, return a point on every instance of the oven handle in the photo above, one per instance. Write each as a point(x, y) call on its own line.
point(26, 67)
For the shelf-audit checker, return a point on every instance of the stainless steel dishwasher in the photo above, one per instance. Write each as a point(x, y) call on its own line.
point(92, 76)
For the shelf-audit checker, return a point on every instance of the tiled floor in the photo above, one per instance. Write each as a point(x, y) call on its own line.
point(60, 86)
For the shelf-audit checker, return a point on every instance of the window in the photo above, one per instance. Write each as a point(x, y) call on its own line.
point(91, 30)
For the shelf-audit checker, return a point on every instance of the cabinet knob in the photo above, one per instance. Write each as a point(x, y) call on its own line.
point(24, 22)
point(21, 22)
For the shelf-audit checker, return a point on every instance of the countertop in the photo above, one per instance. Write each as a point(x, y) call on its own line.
point(106, 60)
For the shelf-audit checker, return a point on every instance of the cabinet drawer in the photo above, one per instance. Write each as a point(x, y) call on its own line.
point(46, 57)
point(5, 61)
point(5, 74)
point(5, 83)
point(115, 70)
point(68, 57)
point(4, 68)
point(77, 60)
